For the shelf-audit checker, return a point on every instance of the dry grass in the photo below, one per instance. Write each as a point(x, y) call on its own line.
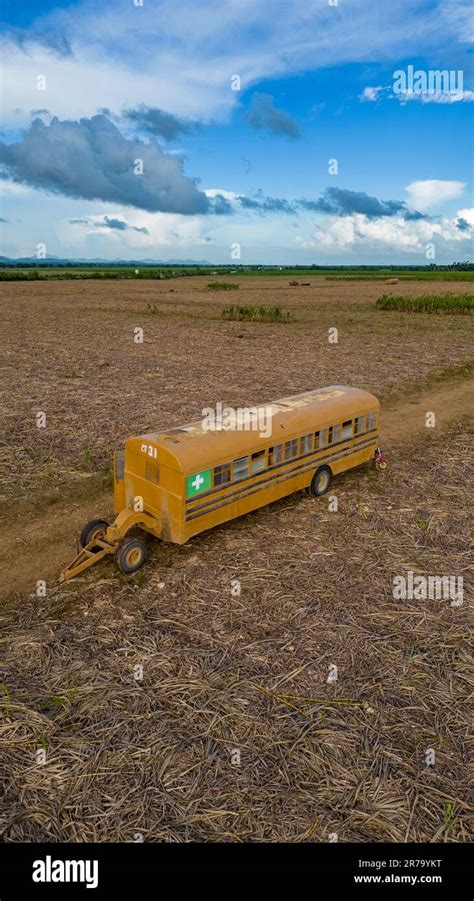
point(224, 672)
point(250, 673)
point(68, 349)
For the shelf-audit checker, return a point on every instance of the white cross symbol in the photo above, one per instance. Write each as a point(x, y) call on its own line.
point(198, 481)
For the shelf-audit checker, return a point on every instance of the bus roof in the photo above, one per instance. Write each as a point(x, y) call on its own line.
point(193, 445)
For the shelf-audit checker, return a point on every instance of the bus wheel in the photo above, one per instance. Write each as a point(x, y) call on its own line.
point(130, 555)
point(321, 481)
point(91, 529)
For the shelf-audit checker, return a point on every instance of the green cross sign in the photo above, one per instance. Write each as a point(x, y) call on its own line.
point(200, 481)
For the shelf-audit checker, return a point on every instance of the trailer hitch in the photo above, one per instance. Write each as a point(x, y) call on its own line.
point(129, 553)
point(94, 551)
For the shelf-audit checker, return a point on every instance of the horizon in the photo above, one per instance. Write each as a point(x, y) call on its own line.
point(28, 262)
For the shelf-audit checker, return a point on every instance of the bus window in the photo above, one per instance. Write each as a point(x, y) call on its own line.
point(258, 461)
point(347, 430)
point(241, 468)
point(291, 448)
point(320, 439)
point(334, 433)
point(275, 454)
point(359, 425)
point(371, 420)
point(306, 444)
point(222, 474)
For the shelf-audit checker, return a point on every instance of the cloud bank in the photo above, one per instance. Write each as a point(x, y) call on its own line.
point(92, 160)
point(333, 201)
point(358, 235)
point(157, 123)
point(176, 55)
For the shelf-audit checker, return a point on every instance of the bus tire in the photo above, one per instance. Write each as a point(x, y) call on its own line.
point(321, 481)
point(91, 529)
point(130, 555)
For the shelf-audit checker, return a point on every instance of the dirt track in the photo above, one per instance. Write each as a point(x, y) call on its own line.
point(38, 546)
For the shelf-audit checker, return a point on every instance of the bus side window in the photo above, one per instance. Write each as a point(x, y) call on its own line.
point(371, 421)
point(347, 430)
point(258, 461)
point(360, 425)
point(291, 448)
point(241, 468)
point(222, 474)
point(306, 444)
point(275, 454)
point(334, 433)
point(320, 439)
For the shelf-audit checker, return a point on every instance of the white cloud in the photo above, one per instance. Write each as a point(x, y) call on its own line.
point(170, 232)
point(339, 232)
point(13, 189)
point(231, 196)
point(432, 192)
point(468, 215)
point(372, 94)
point(180, 55)
point(376, 93)
point(166, 231)
point(442, 97)
point(395, 235)
point(458, 15)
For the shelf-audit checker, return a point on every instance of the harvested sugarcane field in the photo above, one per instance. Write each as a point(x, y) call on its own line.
point(236, 444)
point(280, 677)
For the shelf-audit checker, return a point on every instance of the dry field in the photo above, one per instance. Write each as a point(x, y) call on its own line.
point(221, 673)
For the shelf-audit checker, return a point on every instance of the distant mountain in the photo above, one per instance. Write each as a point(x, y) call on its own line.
point(97, 261)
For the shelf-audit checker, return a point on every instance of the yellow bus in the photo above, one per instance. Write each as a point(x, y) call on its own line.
point(176, 483)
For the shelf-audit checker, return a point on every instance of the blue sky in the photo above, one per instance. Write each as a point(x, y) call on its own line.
point(91, 88)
